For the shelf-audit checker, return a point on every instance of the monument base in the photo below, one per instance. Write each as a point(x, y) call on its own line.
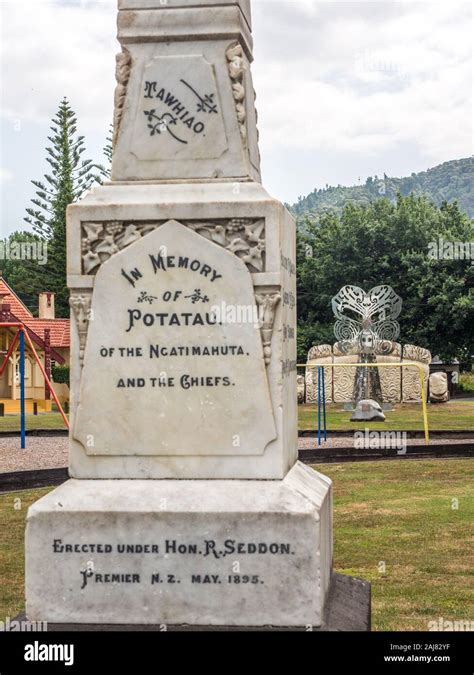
point(171, 553)
point(348, 609)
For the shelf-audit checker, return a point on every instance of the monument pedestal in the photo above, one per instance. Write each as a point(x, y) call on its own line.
point(347, 609)
point(221, 553)
point(137, 254)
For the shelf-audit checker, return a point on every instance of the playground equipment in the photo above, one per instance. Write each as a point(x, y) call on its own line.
point(322, 413)
point(20, 336)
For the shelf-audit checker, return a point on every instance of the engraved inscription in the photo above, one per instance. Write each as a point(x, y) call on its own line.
point(160, 561)
point(179, 115)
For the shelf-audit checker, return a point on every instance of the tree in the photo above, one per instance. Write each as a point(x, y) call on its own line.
point(20, 263)
point(447, 182)
point(106, 171)
point(70, 177)
point(384, 242)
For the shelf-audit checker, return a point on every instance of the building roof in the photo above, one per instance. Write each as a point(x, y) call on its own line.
point(59, 328)
point(9, 297)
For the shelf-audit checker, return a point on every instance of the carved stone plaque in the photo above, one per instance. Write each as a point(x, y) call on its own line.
point(179, 114)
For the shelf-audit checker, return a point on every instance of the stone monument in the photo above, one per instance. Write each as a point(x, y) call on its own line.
point(186, 503)
point(439, 388)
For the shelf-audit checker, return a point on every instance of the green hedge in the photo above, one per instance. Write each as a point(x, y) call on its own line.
point(61, 374)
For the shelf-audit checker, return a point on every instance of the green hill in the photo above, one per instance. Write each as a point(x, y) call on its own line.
point(451, 181)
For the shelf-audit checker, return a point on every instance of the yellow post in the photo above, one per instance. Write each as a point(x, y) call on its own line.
point(425, 410)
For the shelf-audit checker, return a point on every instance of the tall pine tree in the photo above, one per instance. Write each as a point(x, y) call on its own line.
point(108, 150)
point(69, 178)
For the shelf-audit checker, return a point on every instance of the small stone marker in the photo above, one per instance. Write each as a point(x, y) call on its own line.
point(187, 504)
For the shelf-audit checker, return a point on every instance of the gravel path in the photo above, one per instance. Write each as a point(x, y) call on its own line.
point(51, 452)
point(42, 452)
point(312, 443)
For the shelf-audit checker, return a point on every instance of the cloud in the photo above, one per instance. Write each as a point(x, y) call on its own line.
point(352, 81)
point(5, 175)
point(365, 77)
point(54, 49)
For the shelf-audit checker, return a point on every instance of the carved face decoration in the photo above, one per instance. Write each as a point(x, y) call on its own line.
point(367, 341)
point(366, 321)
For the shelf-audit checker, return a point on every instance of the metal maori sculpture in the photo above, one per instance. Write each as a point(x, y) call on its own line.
point(366, 326)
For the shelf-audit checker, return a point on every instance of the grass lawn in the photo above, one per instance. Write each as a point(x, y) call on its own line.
point(398, 513)
point(401, 514)
point(406, 417)
point(52, 420)
point(409, 417)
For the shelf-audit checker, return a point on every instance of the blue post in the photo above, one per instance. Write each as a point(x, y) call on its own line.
point(319, 407)
point(22, 389)
point(324, 406)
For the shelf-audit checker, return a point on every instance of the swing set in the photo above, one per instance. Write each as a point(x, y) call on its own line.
point(322, 412)
point(22, 336)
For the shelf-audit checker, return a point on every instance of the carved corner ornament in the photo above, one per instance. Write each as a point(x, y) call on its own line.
point(81, 307)
point(122, 74)
point(267, 303)
point(235, 57)
point(244, 237)
point(257, 129)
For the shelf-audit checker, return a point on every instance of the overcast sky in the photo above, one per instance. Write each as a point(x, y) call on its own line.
point(345, 89)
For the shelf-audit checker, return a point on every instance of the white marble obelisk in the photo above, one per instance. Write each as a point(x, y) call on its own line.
point(186, 503)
